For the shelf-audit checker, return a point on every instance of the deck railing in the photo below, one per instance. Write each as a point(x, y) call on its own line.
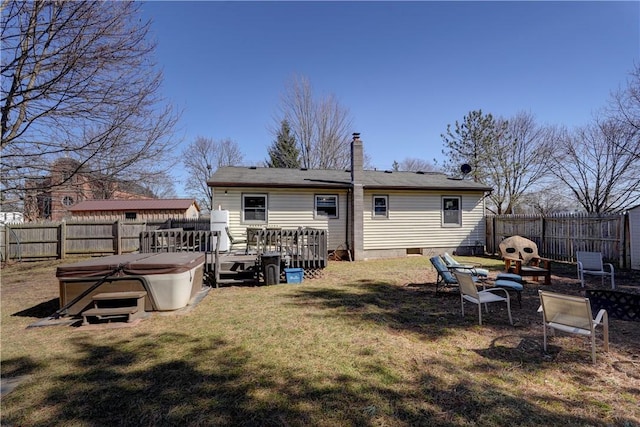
point(179, 240)
point(300, 248)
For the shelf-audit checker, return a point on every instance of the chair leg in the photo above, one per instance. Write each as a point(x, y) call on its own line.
point(544, 335)
point(509, 311)
point(593, 346)
point(480, 314)
point(519, 298)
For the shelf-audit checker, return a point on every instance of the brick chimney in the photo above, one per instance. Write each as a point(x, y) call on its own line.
point(357, 159)
point(357, 198)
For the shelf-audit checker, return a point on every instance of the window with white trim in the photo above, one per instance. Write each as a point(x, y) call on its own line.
point(451, 211)
point(326, 205)
point(380, 206)
point(254, 208)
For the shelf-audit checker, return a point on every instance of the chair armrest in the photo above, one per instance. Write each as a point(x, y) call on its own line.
point(498, 289)
point(509, 260)
point(546, 262)
point(610, 267)
point(517, 263)
point(463, 268)
point(602, 313)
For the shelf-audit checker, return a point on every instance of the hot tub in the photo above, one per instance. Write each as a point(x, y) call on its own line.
point(170, 279)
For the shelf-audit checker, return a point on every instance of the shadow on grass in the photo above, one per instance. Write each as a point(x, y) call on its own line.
point(413, 307)
point(213, 382)
point(44, 309)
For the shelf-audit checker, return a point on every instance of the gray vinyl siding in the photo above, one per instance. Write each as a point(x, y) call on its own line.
point(415, 221)
point(287, 209)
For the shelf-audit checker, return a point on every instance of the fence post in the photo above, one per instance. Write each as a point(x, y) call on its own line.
point(5, 243)
point(625, 240)
point(62, 247)
point(117, 231)
point(543, 232)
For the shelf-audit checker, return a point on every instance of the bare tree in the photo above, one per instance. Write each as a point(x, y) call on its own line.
point(517, 163)
point(624, 111)
point(162, 186)
point(507, 155)
point(546, 199)
point(321, 127)
point(599, 164)
point(411, 164)
point(624, 106)
point(78, 81)
point(201, 158)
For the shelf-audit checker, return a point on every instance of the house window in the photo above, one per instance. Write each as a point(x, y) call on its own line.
point(380, 206)
point(326, 206)
point(254, 208)
point(130, 215)
point(67, 200)
point(451, 212)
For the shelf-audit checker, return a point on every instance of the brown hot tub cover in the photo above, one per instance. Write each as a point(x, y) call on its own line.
point(133, 264)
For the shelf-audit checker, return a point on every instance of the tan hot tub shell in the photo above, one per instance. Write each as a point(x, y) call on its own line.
point(171, 280)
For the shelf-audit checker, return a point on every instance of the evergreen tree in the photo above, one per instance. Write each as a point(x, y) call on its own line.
point(473, 142)
point(284, 153)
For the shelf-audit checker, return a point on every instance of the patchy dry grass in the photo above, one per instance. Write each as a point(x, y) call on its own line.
point(369, 343)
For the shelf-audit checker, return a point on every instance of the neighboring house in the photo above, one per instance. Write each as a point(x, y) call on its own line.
point(50, 197)
point(372, 214)
point(135, 209)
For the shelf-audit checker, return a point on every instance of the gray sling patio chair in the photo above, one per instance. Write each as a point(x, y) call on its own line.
point(470, 293)
point(572, 314)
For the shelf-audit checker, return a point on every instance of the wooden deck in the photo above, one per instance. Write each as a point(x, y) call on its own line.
point(304, 248)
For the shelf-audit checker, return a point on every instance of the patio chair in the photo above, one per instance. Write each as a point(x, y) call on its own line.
point(235, 241)
point(572, 314)
point(454, 265)
point(521, 257)
point(469, 292)
point(445, 277)
point(591, 263)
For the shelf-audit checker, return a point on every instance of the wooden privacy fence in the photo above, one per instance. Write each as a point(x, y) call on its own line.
point(60, 239)
point(559, 237)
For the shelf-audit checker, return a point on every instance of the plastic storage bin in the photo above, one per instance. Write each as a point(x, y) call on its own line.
point(294, 275)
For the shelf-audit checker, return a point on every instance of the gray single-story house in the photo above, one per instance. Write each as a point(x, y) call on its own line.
point(372, 214)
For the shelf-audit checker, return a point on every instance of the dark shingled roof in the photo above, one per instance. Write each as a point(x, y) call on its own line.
point(321, 178)
point(133, 205)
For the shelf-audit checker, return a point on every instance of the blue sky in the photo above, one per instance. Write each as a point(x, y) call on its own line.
point(404, 69)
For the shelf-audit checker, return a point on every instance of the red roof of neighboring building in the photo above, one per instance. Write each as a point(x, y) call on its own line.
point(134, 205)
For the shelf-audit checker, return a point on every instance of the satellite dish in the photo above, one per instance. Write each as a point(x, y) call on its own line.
point(465, 169)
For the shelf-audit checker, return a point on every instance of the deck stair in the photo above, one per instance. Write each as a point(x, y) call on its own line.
point(110, 305)
point(238, 270)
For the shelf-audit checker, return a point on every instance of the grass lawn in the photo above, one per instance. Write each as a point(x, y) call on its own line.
point(368, 344)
